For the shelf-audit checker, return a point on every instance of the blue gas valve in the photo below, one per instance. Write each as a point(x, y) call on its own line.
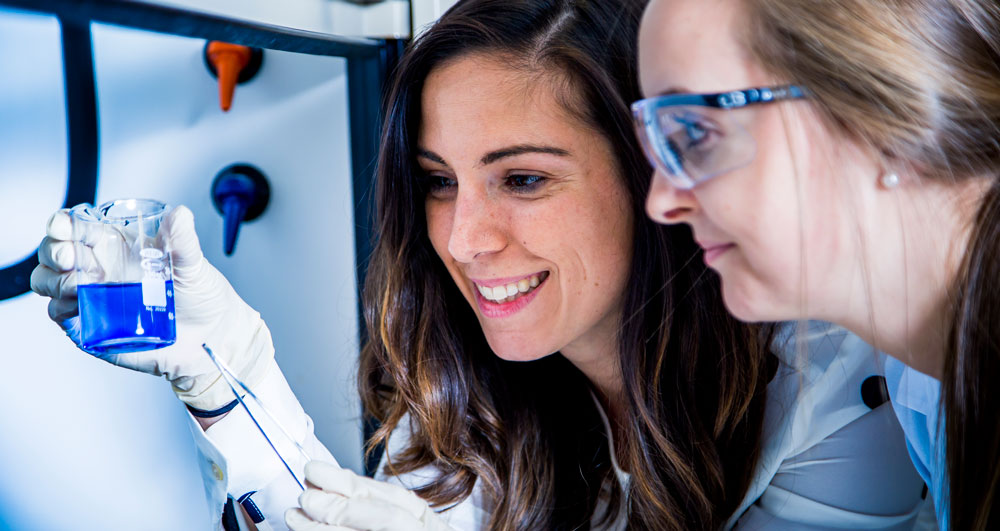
point(240, 193)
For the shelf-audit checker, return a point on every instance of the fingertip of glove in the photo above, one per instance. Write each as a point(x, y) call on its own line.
point(62, 311)
point(58, 255)
point(307, 497)
point(36, 279)
point(184, 245)
point(60, 226)
point(64, 256)
point(295, 518)
point(181, 213)
point(321, 473)
point(180, 220)
point(312, 467)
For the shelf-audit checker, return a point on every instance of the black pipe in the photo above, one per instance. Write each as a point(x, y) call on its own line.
point(366, 97)
point(81, 139)
point(147, 16)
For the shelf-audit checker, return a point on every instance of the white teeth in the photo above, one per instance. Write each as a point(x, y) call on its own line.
point(509, 292)
point(499, 293)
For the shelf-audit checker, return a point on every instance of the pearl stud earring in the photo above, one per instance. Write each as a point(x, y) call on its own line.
point(889, 180)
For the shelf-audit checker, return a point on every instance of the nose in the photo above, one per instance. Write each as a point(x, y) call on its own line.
point(668, 204)
point(477, 227)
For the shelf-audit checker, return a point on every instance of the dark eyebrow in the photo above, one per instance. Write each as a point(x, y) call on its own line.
point(431, 156)
point(521, 149)
point(499, 154)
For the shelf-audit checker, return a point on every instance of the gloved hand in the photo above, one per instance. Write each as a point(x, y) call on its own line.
point(339, 500)
point(208, 311)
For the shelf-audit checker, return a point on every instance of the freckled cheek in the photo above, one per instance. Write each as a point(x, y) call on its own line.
point(607, 252)
point(549, 234)
point(439, 224)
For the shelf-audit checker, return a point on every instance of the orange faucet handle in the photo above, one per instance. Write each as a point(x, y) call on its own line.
point(228, 60)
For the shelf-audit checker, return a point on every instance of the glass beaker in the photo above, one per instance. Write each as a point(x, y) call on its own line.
point(124, 277)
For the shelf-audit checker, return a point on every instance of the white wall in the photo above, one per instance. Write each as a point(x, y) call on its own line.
point(388, 18)
point(427, 11)
point(84, 445)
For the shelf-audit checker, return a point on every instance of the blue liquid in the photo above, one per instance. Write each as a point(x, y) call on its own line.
point(113, 319)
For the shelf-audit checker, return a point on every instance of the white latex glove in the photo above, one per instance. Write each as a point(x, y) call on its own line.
point(337, 499)
point(208, 310)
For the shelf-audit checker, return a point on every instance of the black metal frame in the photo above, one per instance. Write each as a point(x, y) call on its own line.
point(81, 126)
point(369, 64)
point(148, 16)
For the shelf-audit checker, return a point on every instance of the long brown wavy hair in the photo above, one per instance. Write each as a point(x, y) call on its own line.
point(919, 81)
point(529, 433)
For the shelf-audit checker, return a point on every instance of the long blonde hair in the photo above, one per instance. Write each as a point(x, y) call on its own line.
point(919, 81)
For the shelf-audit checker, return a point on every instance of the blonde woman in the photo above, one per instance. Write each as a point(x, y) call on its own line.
point(840, 160)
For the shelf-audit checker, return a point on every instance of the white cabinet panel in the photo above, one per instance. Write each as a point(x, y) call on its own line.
point(89, 446)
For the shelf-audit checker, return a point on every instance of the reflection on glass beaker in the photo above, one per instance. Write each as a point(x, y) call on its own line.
point(124, 283)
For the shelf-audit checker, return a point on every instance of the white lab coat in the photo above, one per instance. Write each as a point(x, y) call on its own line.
point(828, 461)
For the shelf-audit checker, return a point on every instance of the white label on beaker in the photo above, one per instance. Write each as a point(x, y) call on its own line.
point(154, 292)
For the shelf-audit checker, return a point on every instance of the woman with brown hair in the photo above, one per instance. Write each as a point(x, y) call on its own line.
point(541, 355)
point(869, 198)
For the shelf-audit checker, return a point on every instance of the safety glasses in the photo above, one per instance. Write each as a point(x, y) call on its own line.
point(691, 138)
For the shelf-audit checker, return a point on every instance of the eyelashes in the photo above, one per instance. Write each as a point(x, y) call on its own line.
point(524, 183)
point(519, 183)
point(437, 183)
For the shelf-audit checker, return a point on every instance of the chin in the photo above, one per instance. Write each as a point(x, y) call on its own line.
point(509, 349)
point(750, 305)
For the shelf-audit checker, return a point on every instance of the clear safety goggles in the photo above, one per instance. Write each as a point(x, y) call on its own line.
point(691, 138)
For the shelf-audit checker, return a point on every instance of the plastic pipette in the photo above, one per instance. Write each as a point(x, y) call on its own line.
point(230, 379)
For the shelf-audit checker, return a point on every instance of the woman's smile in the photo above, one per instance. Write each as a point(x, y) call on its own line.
point(502, 297)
